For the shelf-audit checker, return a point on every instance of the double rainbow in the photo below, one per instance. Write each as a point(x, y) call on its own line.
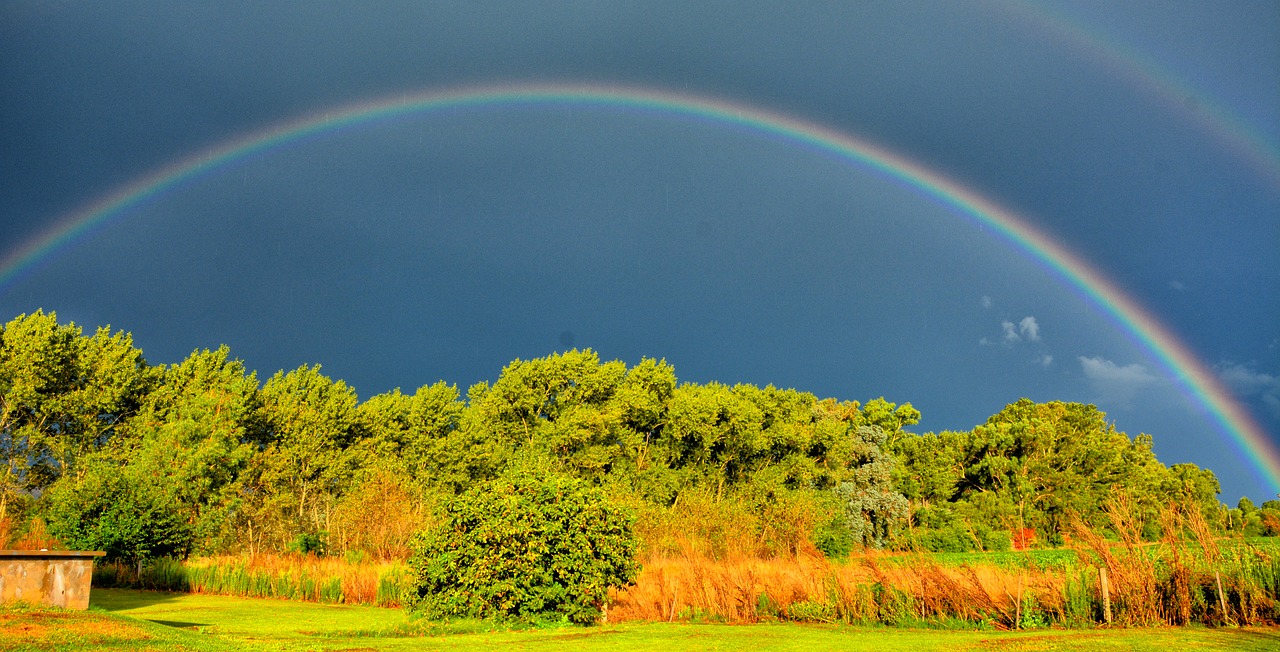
point(1199, 381)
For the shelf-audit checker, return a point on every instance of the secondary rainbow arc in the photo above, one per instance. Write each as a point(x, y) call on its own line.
point(1199, 381)
point(1141, 72)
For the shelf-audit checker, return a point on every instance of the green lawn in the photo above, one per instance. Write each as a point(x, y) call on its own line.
point(142, 620)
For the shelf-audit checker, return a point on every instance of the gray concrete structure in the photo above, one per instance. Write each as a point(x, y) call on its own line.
point(58, 578)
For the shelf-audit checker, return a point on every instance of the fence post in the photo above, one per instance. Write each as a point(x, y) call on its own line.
point(1106, 594)
point(1222, 600)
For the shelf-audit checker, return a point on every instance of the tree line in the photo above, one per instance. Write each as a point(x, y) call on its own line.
point(107, 451)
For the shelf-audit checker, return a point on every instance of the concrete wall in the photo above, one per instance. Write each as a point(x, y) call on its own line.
point(58, 578)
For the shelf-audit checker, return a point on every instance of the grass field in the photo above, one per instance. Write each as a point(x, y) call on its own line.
point(1236, 581)
point(143, 620)
point(1060, 558)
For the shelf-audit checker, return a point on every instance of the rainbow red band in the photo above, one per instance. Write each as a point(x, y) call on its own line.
point(1230, 416)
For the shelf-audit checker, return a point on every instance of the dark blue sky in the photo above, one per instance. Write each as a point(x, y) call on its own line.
point(443, 245)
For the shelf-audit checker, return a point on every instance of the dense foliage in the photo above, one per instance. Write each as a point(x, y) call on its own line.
point(527, 545)
point(1033, 467)
point(201, 457)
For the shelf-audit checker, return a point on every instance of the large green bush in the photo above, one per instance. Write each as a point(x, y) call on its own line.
point(126, 514)
point(525, 547)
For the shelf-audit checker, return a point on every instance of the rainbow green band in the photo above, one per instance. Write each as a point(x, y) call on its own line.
point(1229, 415)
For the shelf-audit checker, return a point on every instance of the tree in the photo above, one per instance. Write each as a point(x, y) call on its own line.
point(1031, 465)
point(378, 515)
point(311, 421)
point(62, 396)
point(713, 432)
point(927, 467)
point(889, 417)
point(641, 405)
point(871, 505)
point(559, 406)
point(195, 434)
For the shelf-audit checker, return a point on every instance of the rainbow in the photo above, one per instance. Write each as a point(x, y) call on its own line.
point(1199, 381)
point(1141, 72)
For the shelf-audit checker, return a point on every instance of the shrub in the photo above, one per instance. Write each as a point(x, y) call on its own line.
point(833, 538)
point(953, 538)
point(766, 607)
point(806, 611)
point(524, 547)
point(377, 517)
point(314, 543)
point(1003, 541)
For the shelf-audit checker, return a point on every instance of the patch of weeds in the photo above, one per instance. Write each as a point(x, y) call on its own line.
point(952, 623)
point(896, 607)
point(1032, 616)
point(806, 611)
point(765, 606)
point(699, 616)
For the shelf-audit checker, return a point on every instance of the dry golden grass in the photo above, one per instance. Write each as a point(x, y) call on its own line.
point(749, 589)
point(44, 629)
point(668, 589)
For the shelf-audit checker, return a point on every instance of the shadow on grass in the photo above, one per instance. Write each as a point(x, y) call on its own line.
point(125, 599)
point(176, 623)
point(1271, 636)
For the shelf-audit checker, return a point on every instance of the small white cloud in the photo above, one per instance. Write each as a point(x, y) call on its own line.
point(985, 342)
point(1249, 383)
point(986, 301)
point(1114, 382)
point(1178, 285)
point(1272, 401)
point(1010, 333)
point(1098, 368)
point(1044, 360)
point(1029, 328)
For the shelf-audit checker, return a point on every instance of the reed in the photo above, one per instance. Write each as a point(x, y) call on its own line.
point(293, 577)
point(809, 588)
point(1191, 576)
